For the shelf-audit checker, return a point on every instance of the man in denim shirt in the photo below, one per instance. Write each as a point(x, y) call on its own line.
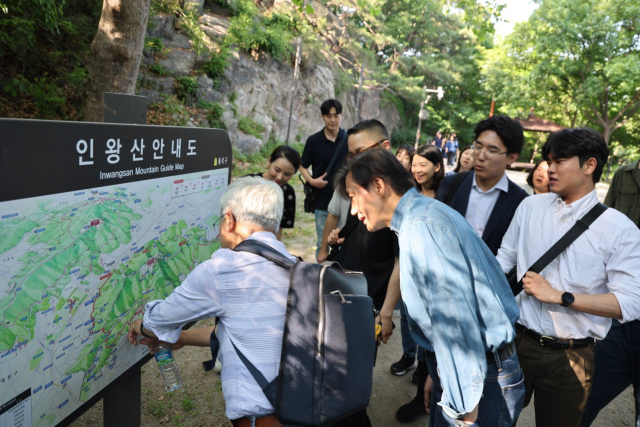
point(459, 303)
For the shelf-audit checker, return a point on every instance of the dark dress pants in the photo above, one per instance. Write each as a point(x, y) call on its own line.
point(617, 367)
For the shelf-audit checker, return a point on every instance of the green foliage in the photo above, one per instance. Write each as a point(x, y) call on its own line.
point(187, 405)
point(575, 63)
point(186, 88)
point(256, 32)
point(169, 112)
point(157, 409)
point(403, 136)
point(216, 65)
point(250, 127)
point(214, 114)
point(155, 46)
point(158, 70)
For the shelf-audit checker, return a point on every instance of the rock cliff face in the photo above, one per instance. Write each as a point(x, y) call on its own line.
point(258, 88)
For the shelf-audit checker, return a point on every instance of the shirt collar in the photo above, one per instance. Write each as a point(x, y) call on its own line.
point(503, 184)
point(403, 205)
point(580, 207)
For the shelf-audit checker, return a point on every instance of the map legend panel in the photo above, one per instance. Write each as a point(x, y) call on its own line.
point(17, 411)
point(210, 181)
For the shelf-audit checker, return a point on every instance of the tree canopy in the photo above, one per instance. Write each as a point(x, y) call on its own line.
point(575, 63)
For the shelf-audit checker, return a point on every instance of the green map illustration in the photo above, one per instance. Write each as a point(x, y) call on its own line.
point(76, 268)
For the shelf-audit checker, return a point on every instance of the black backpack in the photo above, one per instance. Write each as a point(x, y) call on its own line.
point(328, 346)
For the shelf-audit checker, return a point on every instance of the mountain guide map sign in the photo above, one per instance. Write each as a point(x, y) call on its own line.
point(95, 220)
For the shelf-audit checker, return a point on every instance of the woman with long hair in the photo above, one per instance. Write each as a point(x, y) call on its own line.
point(466, 162)
point(427, 168)
point(283, 164)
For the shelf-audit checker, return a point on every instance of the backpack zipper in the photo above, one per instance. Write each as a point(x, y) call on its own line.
point(320, 335)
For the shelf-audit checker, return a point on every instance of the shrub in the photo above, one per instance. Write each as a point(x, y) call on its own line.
point(186, 89)
point(216, 65)
point(169, 112)
point(250, 127)
point(158, 70)
point(155, 46)
point(214, 114)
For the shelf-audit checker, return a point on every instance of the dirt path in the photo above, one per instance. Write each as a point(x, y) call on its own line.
point(199, 402)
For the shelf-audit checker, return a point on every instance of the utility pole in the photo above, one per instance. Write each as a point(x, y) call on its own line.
point(296, 73)
point(424, 114)
point(356, 118)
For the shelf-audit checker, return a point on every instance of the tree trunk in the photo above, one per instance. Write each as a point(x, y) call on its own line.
point(116, 52)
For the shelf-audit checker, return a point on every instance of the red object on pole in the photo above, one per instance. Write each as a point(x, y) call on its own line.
point(493, 104)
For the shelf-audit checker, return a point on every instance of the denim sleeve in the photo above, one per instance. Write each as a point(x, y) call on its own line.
point(198, 297)
point(442, 272)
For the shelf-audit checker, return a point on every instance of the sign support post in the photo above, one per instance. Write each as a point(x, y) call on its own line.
point(121, 406)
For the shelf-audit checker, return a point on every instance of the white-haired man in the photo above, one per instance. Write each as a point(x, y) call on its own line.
point(247, 293)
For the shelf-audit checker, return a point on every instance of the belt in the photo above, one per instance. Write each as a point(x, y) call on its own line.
point(269, 421)
point(555, 343)
point(504, 352)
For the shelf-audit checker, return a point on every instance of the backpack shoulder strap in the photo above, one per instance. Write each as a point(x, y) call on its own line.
point(258, 248)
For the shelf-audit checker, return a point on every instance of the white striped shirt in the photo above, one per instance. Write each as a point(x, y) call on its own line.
point(249, 295)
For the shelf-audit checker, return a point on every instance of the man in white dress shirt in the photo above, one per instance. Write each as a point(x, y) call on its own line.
point(570, 304)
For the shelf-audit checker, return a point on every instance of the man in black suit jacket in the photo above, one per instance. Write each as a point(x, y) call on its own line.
point(485, 196)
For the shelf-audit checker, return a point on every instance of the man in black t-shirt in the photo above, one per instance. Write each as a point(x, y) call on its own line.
point(375, 254)
point(317, 155)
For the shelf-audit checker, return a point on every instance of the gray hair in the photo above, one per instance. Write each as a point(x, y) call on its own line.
point(254, 200)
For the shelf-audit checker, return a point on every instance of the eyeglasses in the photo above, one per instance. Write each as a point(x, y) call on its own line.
point(216, 224)
point(362, 150)
point(488, 152)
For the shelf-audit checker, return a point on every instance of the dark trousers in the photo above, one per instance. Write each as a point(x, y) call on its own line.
point(560, 379)
point(451, 157)
point(617, 367)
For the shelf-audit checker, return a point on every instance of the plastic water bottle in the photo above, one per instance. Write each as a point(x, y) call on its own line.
point(168, 367)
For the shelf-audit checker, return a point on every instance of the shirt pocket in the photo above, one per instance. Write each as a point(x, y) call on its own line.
point(580, 270)
point(627, 201)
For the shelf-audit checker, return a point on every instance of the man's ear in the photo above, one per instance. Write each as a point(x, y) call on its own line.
point(379, 186)
point(386, 144)
point(229, 223)
point(512, 158)
point(590, 165)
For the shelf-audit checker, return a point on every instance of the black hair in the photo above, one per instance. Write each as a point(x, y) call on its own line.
point(367, 166)
point(434, 155)
point(327, 105)
point(409, 149)
point(459, 165)
point(371, 125)
point(584, 143)
point(530, 176)
point(509, 130)
point(284, 151)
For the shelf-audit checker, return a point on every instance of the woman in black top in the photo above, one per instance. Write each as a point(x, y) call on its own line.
point(282, 166)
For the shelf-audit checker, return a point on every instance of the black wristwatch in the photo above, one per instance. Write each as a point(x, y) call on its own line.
point(142, 331)
point(567, 299)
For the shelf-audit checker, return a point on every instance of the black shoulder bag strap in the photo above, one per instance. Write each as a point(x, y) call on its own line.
point(455, 184)
point(579, 227)
point(267, 252)
point(336, 153)
point(350, 224)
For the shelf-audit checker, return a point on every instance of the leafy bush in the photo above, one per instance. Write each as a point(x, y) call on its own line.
point(169, 112)
point(215, 112)
point(155, 46)
point(216, 65)
point(158, 70)
point(186, 89)
point(255, 32)
point(250, 127)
